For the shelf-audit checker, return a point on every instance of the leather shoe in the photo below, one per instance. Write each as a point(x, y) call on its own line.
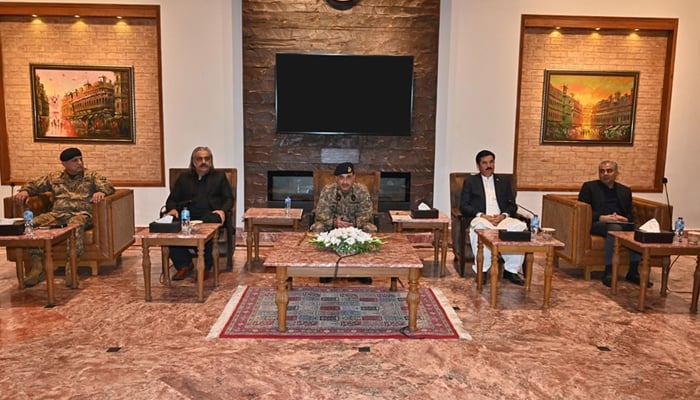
point(325, 280)
point(182, 273)
point(635, 279)
point(607, 280)
point(513, 278)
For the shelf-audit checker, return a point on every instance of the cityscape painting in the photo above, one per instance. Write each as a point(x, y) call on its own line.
point(586, 107)
point(82, 103)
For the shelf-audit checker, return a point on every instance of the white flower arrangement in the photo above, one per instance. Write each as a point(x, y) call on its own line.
point(347, 241)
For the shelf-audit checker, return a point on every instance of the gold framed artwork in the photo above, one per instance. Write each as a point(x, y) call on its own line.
point(589, 107)
point(72, 103)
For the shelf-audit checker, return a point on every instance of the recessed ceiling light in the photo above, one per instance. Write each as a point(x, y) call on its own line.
point(35, 15)
point(76, 16)
point(597, 29)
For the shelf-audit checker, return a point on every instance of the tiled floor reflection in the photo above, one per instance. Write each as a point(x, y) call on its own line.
point(103, 341)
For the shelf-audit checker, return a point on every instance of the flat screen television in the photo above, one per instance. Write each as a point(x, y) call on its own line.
point(344, 94)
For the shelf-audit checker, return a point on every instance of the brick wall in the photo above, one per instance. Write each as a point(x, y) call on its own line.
point(565, 167)
point(88, 42)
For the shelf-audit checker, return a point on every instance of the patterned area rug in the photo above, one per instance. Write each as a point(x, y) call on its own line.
point(337, 313)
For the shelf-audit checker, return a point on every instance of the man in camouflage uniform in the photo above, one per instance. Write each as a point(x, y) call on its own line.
point(73, 189)
point(343, 204)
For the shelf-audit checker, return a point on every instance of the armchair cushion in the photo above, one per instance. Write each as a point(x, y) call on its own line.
point(572, 220)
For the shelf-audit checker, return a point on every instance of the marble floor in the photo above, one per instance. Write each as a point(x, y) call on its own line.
point(103, 341)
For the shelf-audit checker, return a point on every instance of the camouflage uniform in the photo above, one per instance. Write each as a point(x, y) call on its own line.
point(354, 206)
point(72, 200)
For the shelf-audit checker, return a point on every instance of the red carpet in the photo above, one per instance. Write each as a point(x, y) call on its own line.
point(336, 313)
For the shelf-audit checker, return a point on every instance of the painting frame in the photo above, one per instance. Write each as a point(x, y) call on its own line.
point(589, 107)
point(81, 103)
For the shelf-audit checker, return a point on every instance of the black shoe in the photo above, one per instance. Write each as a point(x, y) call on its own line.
point(607, 280)
point(513, 278)
point(325, 280)
point(635, 279)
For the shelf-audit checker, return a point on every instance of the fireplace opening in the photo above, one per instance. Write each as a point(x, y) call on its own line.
point(394, 191)
point(298, 185)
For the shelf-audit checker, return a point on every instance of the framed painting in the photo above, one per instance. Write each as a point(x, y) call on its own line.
point(589, 107)
point(72, 103)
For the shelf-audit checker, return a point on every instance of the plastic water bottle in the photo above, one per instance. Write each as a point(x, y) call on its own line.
point(287, 205)
point(680, 227)
point(185, 220)
point(535, 226)
point(28, 222)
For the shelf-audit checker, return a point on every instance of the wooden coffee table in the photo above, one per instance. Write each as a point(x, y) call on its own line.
point(198, 238)
point(255, 218)
point(489, 238)
point(438, 226)
point(648, 250)
point(293, 255)
point(44, 239)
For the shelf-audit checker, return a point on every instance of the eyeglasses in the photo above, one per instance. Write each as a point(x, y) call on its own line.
point(603, 171)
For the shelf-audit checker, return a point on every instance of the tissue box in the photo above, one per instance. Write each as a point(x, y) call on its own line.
point(13, 229)
point(653, 237)
point(432, 213)
point(516, 236)
point(158, 227)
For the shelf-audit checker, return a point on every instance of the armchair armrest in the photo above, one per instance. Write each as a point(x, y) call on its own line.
point(572, 220)
point(113, 223)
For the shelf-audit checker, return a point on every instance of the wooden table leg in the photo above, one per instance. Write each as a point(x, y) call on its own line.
point(200, 270)
point(696, 287)
point(48, 268)
point(256, 242)
point(73, 254)
point(494, 275)
point(529, 257)
point(413, 298)
point(281, 299)
point(548, 272)
point(249, 244)
point(146, 265)
point(643, 278)
point(443, 260)
point(479, 263)
point(215, 254)
point(615, 264)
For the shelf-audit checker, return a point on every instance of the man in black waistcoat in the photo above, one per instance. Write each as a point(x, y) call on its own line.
point(207, 194)
point(611, 203)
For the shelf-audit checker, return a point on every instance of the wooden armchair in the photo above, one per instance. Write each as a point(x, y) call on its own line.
point(458, 221)
point(112, 229)
point(572, 220)
point(371, 179)
point(227, 234)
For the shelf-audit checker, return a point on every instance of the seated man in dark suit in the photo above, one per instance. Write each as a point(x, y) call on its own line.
point(207, 194)
point(611, 203)
point(488, 199)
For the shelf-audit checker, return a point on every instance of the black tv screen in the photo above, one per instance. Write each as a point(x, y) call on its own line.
point(344, 94)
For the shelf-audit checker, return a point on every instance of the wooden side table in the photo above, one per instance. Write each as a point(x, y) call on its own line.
point(260, 217)
point(201, 235)
point(439, 226)
point(46, 239)
point(489, 238)
point(648, 250)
